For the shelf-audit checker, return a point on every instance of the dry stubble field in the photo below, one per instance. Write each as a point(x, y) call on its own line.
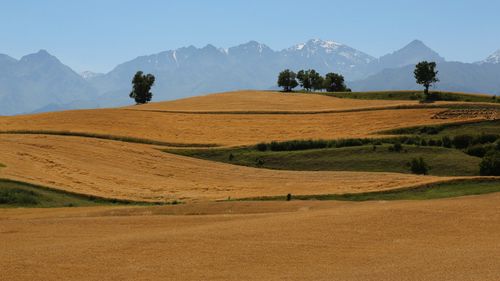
point(447, 240)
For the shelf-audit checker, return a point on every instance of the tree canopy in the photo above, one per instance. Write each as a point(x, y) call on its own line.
point(141, 87)
point(312, 80)
point(426, 75)
point(334, 82)
point(288, 80)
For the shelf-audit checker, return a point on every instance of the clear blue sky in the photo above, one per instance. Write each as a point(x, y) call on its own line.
point(98, 34)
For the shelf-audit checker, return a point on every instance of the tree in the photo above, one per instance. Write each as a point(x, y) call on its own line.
point(303, 77)
point(419, 167)
point(310, 79)
point(317, 81)
point(141, 87)
point(490, 165)
point(288, 80)
point(426, 75)
point(334, 82)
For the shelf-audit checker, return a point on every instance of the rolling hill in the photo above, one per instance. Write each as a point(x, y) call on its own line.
point(219, 220)
point(98, 151)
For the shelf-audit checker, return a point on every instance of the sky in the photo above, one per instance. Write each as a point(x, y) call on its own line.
point(97, 35)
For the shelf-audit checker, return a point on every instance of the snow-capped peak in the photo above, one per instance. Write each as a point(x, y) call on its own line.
point(89, 74)
point(299, 46)
point(325, 44)
point(317, 44)
point(493, 58)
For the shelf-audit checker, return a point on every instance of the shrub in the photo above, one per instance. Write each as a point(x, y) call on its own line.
point(411, 141)
point(477, 150)
point(298, 145)
point(490, 165)
point(423, 143)
point(289, 197)
point(261, 146)
point(310, 144)
point(18, 196)
point(397, 147)
point(419, 167)
point(447, 142)
point(430, 130)
point(349, 142)
point(462, 141)
point(486, 138)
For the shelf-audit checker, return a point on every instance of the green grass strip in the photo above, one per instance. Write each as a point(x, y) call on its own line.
point(21, 194)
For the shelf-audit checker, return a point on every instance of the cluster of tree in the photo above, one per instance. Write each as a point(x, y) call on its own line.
point(311, 80)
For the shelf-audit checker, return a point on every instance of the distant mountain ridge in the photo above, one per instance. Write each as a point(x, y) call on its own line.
point(40, 79)
point(40, 82)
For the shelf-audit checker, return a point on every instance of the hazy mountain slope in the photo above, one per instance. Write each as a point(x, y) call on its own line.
point(454, 76)
point(191, 71)
point(411, 54)
point(37, 80)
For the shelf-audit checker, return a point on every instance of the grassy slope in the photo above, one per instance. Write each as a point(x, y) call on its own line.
point(411, 95)
point(442, 190)
point(443, 161)
point(19, 194)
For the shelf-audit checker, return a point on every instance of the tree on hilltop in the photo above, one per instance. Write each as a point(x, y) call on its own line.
point(310, 79)
point(334, 82)
point(426, 75)
point(287, 79)
point(141, 87)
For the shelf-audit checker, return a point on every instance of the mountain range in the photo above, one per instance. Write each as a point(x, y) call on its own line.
point(40, 82)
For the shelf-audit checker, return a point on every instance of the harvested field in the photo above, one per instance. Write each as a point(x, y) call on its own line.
point(140, 172)
point(450, 240)
point(255, 101)
point(222, 129)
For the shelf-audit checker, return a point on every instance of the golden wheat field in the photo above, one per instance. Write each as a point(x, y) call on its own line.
point(139, 172)
point(449, 240)
point(444, 239)
point(223, 129)
point(262, 101)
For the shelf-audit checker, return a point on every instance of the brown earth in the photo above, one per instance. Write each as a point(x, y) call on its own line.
point(448, 240)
